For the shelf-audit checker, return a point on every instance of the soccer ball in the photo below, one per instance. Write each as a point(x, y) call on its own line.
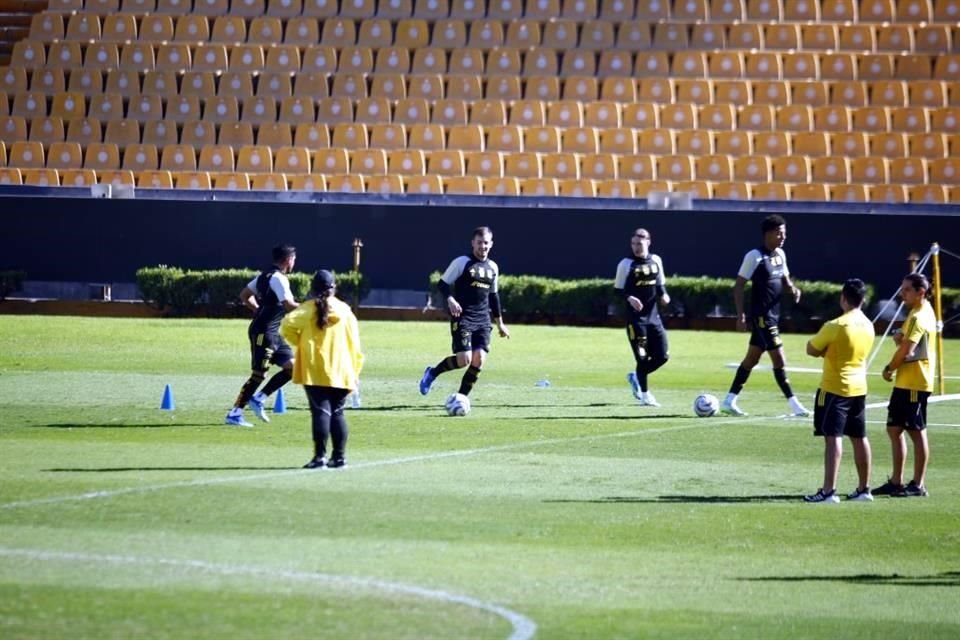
point(457, 404)
point(706, 405)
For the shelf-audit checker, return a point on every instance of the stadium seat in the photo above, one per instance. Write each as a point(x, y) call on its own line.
point(445, 163)
point(869, 170)
point(258, 110)
point(889, 193)
point(416, 111)
point(350, 85)
point(504, 88)
point(449, 34)
point(752, 168)
point(560, 165)
point(26, 155)
point(463, 185)
point(198, 133)
point(255, 159)
point(763, 65)
point(713, 168)
point(320, 8)
point(211, 7)
point(428, 137)
point(63, 155)
point(539, 187)
point(388, 136)
point(527, 113)
point(598, 166)
point(86, 131)
point(927, 145)
point(178, 158)
point(618, 140)
point(541, 139)
point(635, 36)
point(102, 157)
point(217, 157)
point(577, 188)
point(388, 85)
point(579, 140)
point(445, 112)
point(78, 177)
point(307, 182)
point(373, 111)
point(501, 186)
point(635, 167)
point(348, 135)
point(407, 163)
point(192, 180)
point(268, 182)
point(141, 157)
point(486, 164)
point(522, 165)
point(850, 144)
point(908, 171)
point(782, 36)
point(159, 133)
point(311, 136)
point(731, 191)
point(423, 184)
point(334, 110)
point(732, 143)
point(274, 135)
point(331, 161)
point(831, 118)
point(614, 188)
point(368, 161)
point(464, 87)
point(383, 184)
point(927, 194)
point(465, 137)
point(47, 130)
point(41, 177)
point(941, 171)
point(694, 142)
point(659, 142)
point(466, 61)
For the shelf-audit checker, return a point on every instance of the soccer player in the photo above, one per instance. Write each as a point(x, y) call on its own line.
point(766, 268)
point(840, 405)
point(326, 337)
point(469, 286)
point(641, 282)
point(269, 297)
point(913, 363)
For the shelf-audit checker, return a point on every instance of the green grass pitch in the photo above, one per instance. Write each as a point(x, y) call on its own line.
point(560, 512)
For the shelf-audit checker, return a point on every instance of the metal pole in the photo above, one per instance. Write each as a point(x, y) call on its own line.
point(357, 245)
point(912, 260)
point(938, 310)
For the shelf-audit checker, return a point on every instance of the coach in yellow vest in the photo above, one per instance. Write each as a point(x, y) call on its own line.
point(914, 364)
point(840, 406)
point(326, 340)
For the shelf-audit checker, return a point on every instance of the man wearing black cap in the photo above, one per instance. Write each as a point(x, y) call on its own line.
point(269, 297)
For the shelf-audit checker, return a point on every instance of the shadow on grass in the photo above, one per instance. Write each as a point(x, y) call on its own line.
point(655, 416)
point(945, 579)
point(151, 425)
point(433, 407)
point(681, 499)
point(127, 469)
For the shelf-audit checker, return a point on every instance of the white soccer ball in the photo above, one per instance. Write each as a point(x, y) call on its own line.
point(457, 404)
point(706, 405)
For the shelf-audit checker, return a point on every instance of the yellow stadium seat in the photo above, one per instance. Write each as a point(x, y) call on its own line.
point(429, 60)
point(889, 193)
point(412, 33)
point(504, 138)
point(141, 157)
point(927, 93)
point(431, 9)
point(320, 8)
point(485, 33)
point(41, 177)
point(334, 110)
point(909, 119)
point(64, 155)
point(634, 36)
point(311, 136)
point(449, 34)
point(106, 107)
point(159, 133)
point(831, 170)
point(189, 28)
point(274, 135)
point(871, 119)
point(301, 31)
point(307, 182)
point(579, 140)
point(610, 114)
point(145, 107)
point(763, 65)
point(656, 90)
point(560, 165)
point(694, 142)
point(423, 184)
point(913, 11)
point(731, 191)
point(527, 113)
point(857, 37)
point(927, 194)
point(618, 140)
point(908, 170)
point(46, 26)
point(153, 28)
point(504, 88)
point(78, 177)
point(464, 87)
point(160, 83)
point(577, 188)
point(465, 137)
point(83, 27)
point(635, 167)
point(675, 167)
point(945, 120)
point(869, 170)
point(486, 164)
point(466, 61)
point(174, 57)
point(368, 161)
point(28, 54)
point(832, 118)
point(259, 109)
point(275, 84)
point(464, 185)
point(715, 168)
point(847, 193)
point(86, 130)
point(268, 182)
point(373, 111)
point(217, 157)
point(231, 181)
point(582, 88)
point(417, 111)
point(674, 116)
point(350, 85)
point(717, 117)
point(122, 132)
point(644, 188)
point(927, 145)
point(782, 37)
point(66, 105)
point(598, 166)
point(445, 163)
point(522, 165)
point(656, 141)
point(247, 57)
point(429, 137)
point(211, 7)
point(539, 187)
point(746, 36)
point(348, 135)
point(407, 163)
point(541, 139)
point(331, 161)
point(102, 156)
point(561, 113)
point(210, 57)
point(445, 112)
point(875, 66)
point(503, 186)
point(618, 89)
point(199, 133)
point(47, 130)
point(614, 188)
point(546, 89)
point(178, 158)
point(772, 191)
point(388, 136)
point(849, 144)
point(732, 143)
point(383, 184)
point(941, 171)
point(123, 82)
point(428, 86)
point(752, 168)
point(192, 180)
point(920, 67)
point(255, 159)
point(388, 85)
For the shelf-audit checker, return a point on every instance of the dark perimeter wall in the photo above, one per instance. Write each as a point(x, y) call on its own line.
point(63, 239)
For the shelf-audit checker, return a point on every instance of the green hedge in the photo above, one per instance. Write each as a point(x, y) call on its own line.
point(592, 300)
point(11, 281)
point(181, 292)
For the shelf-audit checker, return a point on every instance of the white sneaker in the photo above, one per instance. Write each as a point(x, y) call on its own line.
point(860, 496)
point(822, 498)
point(647, 400)
point(730, 408)
point(797, 410)
point(236, 420)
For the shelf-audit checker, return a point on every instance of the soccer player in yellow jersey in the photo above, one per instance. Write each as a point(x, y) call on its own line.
point(840, 406)
point(913, 363)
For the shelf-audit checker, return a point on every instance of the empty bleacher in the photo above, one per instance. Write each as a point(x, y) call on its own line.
point(764, 99)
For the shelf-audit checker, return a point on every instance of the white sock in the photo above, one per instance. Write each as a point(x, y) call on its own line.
point(731, 398)
point(235, 412)
point(259, 397)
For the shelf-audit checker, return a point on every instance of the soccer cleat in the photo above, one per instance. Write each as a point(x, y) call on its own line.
point(236, 420)
point(647, 400)
point(860, 496)
point(259, 409)
point(635, 386)
point(911, 490)
point(797, 410)
point(316, 463)
point(887, 488)
point(426, 381)
point(731, 409)
point(822, 498)
point(336, 463)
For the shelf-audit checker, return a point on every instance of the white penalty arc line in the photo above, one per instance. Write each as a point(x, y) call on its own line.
point(523, 627)
point(460, 453)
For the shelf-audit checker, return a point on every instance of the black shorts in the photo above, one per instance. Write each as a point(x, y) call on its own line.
point(268, 348)
point(469, 338)
point(907, 409)
point(765, 334)
point(835, 415)
point(648, 340)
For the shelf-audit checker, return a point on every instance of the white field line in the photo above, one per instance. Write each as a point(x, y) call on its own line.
point(523, 628)
point(459, 453)
point(929, 424)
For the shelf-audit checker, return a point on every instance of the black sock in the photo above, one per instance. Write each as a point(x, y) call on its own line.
point(739, 380)
point(248, 389)
point(278, 380)
point(447, 364)
point(780, 375)
point(469, 379)
point(642, 376)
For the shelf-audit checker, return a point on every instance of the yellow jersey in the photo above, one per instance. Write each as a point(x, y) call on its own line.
point(328, 357)
point(916, 371)
point(847, 340)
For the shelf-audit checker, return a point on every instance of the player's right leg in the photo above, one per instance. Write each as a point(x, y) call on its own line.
point(754, 351)
point(259, 364)
point(461, 348)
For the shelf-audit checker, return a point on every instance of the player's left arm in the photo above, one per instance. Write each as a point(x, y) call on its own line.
point(281, 287)
point(494, 300)
point(662, 294)
point(905, 346)
point(792, 288)
point(818, 344)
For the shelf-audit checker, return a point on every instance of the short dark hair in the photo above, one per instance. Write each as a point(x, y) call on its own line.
point(854, 291)
point(480, 231)
point(283, 251)
point(771, 223)
point(918, 281)
point(642, 233)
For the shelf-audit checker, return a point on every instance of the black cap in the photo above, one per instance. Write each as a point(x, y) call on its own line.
point(323, 280)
